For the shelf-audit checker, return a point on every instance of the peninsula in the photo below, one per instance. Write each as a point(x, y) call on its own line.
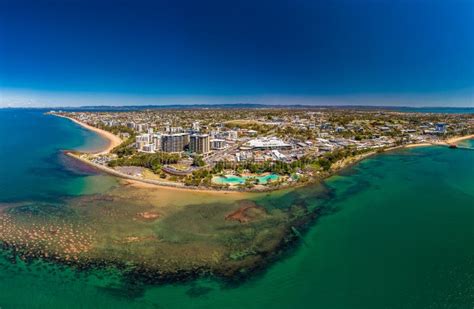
point(254, 149)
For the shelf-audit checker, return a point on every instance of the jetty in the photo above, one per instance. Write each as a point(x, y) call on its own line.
point(464, 147)
point(454, 146)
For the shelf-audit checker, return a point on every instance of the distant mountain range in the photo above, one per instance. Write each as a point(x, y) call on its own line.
point(449, 110)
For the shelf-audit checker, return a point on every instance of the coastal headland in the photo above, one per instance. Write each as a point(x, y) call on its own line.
point(157, 234)
point(115, 141)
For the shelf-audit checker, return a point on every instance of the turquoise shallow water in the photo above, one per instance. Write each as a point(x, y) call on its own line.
point(400, 234)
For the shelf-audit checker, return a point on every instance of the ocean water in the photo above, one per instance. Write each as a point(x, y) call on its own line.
point(31, 162)
point(399, 234)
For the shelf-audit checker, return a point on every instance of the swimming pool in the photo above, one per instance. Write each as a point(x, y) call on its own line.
point(235, 180)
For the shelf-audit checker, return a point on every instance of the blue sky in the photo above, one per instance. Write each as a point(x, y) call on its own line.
point(366, 52)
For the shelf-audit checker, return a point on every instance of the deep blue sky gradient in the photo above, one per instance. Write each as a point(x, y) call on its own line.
point(410, 52)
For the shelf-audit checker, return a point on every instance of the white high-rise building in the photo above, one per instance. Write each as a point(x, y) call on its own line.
point(174, 142)
point(156, 140)
point(199, 143)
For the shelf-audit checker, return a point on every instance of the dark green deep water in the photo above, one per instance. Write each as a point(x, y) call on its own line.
point(400, 235)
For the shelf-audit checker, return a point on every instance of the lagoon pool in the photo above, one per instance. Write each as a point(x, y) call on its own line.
point(235, 180)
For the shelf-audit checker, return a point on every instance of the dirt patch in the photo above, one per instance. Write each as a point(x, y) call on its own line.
point(247, 212)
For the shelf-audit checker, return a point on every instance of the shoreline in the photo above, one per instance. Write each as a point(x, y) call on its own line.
point(152, 183)
point(348, 162)
point(112, 139)
point(454, 140)
point(138, 182)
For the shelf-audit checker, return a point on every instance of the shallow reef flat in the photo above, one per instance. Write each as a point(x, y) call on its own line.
point(159, 235)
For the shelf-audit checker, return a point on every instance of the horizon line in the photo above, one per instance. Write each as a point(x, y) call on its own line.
point(237, 105)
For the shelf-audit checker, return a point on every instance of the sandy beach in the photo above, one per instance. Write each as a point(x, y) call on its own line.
point(143, 184)
point(418, 145)
point(112, 139)
point(457, 139)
